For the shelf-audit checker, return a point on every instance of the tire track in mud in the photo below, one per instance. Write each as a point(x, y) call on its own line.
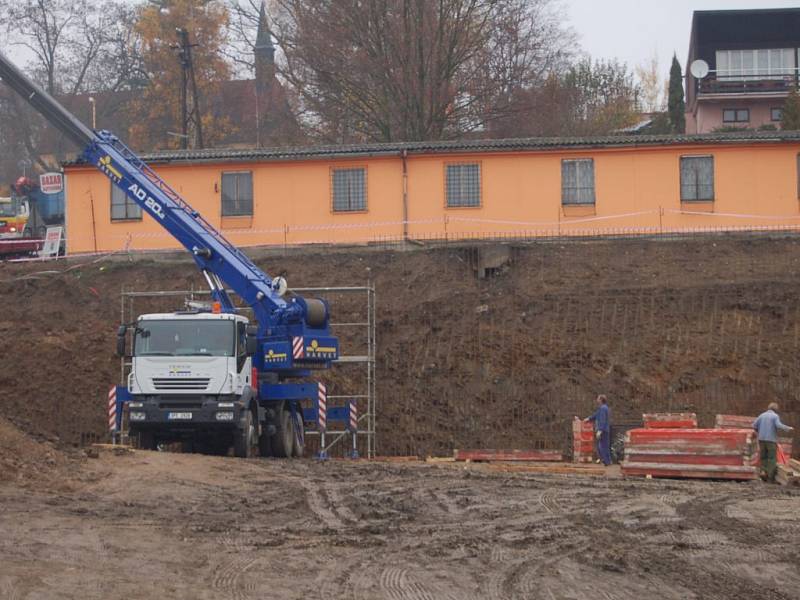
point(319, 503)
point(394, 583)
point(548, 500)
point(517, 577)
point(227, 578)
point(8, 591)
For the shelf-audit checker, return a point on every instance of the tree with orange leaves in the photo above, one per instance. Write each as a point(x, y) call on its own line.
point(158, 107)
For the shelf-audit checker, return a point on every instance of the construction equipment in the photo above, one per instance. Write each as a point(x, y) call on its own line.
point(208, 378)
point(15, 234)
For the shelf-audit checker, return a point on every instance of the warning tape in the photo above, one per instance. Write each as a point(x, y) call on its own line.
point(565, 226)
point(732, 215)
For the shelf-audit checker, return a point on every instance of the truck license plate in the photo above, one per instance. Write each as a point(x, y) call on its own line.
point(182, 416)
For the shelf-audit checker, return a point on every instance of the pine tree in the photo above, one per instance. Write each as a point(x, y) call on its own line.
point(790, 120)
point(676, 105)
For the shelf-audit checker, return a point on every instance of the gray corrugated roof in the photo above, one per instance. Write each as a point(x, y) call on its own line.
point(465, 146)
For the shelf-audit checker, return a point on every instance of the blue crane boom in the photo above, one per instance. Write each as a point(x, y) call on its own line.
point(281, 322)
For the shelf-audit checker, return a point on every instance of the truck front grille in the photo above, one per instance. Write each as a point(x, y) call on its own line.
point(195, 384)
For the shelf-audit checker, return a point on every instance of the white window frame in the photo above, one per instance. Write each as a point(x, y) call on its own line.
point(748, 65)
point(584, 195)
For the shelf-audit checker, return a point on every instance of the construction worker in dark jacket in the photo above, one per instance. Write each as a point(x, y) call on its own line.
point(602, 427)
point(767, 425)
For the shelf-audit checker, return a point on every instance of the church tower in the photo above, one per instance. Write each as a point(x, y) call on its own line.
point(264, 54)
point(276, 124)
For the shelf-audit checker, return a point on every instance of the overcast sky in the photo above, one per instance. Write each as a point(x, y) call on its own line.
point(632, 30)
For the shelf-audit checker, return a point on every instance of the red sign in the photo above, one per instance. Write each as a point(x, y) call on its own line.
point(51, 183)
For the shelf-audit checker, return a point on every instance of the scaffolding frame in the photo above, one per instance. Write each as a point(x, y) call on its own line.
point(367, 395)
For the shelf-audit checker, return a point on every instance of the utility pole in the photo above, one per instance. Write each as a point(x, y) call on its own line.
point(191, 121)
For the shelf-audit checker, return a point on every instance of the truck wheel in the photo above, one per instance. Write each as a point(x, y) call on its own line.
point(245, 441)
point(299, 434)
point(283, 440)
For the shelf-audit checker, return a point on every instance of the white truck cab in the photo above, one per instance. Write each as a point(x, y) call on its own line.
point(190, 354)
point(191, 378)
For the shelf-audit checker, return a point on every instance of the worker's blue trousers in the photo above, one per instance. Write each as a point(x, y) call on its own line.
point(604, 447)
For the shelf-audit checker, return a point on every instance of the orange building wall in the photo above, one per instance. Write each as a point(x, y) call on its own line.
point(637, 190)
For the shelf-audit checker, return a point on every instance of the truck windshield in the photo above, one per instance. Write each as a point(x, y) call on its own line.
point(7, 209)
point(201, 337)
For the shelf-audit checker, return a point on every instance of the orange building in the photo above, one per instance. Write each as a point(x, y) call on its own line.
point(456, 190)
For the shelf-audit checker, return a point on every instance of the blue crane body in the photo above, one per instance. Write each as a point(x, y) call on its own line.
point(292, 337)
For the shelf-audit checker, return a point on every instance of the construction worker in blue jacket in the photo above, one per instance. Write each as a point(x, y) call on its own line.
point(602, 427)
point(767, 426)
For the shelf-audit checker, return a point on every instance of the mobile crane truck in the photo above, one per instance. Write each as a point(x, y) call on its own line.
point(211, 377)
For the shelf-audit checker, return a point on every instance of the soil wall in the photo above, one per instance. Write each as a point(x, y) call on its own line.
point(704, 324)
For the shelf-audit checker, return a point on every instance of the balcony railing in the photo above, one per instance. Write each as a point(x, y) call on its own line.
point(747, 84)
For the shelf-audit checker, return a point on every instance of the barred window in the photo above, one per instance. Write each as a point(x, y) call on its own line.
point(697, 178)
point(577, 181)
point(237, 194)
point(349, 189)
point(463, 183)
point(122, 207)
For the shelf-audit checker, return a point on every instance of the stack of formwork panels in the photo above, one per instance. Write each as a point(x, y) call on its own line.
point(582, 441)
point(697, 453)
point(669, 420)
point(743, 422)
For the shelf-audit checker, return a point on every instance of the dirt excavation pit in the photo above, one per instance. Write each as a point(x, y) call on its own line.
point(161, 525)
point(505, 361)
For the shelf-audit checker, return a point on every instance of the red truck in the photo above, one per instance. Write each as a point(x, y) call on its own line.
point(14, 241)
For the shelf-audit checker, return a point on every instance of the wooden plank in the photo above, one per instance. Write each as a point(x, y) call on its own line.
point(115, 448)
point(669, 420)
point(733, 422)
point(549, 468)
point(795, 464)
point(509, 455)
point(681, 474)
point(690, 471)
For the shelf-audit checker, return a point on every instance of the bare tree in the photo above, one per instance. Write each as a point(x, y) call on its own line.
point(73, 47)
point(386, 70)
point(651, 85)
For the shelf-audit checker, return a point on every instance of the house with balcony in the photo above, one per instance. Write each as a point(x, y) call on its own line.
point(745, 64)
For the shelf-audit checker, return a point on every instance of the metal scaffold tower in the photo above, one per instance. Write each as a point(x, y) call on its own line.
point(364, 359)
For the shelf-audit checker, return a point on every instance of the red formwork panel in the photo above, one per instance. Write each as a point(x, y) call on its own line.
point(698, 453)
point(670, 420)
point(786, 442)
point(582, 441)
point(509, 455)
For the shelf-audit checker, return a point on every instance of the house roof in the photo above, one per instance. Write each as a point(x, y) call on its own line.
point(757, 28)
point(465, 147)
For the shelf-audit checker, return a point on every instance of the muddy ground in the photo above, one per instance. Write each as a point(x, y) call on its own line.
point(160, 525)
point(704, 324)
